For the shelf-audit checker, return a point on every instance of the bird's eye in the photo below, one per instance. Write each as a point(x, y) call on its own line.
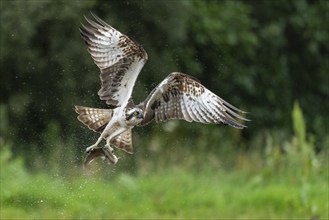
point(135, 113)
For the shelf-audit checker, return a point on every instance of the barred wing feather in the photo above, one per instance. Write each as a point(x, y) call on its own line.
point(119, 59)
point(180, 96)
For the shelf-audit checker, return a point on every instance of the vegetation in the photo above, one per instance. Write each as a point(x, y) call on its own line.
point(292, 183)
point(267, 57)
point(170, 193)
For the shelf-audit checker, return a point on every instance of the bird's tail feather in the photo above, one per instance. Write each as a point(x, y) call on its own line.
point(94, 118)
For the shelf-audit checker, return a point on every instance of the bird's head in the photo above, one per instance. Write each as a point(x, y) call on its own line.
point(134, 116)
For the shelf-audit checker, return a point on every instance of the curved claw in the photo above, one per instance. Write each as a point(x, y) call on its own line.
point(91, 148)
point(110, 157)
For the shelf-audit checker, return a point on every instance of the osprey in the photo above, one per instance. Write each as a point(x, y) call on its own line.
point(178, 96)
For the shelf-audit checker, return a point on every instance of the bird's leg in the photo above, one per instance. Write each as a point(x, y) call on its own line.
point(108, 150)
point(90, 148)
point(108, 142)
point(109, 156)
point(105, 131)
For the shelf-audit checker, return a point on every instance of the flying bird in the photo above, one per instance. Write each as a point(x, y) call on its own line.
point(179, 96)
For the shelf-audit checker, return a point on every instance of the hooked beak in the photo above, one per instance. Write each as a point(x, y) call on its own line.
point(140, 116)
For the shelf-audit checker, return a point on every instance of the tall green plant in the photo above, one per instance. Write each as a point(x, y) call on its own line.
point(303, 146)
point(292, 154)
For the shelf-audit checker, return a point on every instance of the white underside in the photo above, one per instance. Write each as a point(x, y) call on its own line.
point(118, 117)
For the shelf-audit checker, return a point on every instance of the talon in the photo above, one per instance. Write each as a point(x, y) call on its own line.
point(109, 148)
point(111, 158)
point(91, 148)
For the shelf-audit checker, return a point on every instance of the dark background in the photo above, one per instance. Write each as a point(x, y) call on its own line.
point(261, 56)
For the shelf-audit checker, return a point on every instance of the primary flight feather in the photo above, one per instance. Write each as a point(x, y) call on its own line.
point(178, 96)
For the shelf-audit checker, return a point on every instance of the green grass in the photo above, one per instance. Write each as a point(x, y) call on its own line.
point(287, 180)
point(168, 193)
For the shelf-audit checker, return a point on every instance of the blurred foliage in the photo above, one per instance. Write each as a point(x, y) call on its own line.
point(280, 185)
point(259, 55)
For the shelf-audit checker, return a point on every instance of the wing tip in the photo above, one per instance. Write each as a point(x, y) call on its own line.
point(77, 108)
point(234, 124)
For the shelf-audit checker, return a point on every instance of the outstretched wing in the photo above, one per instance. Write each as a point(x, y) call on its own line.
point(180, 96)
point(119, 59)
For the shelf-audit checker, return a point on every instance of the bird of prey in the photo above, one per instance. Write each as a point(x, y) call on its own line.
point(178, 96)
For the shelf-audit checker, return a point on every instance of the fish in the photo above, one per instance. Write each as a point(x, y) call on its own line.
point(106, 153)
